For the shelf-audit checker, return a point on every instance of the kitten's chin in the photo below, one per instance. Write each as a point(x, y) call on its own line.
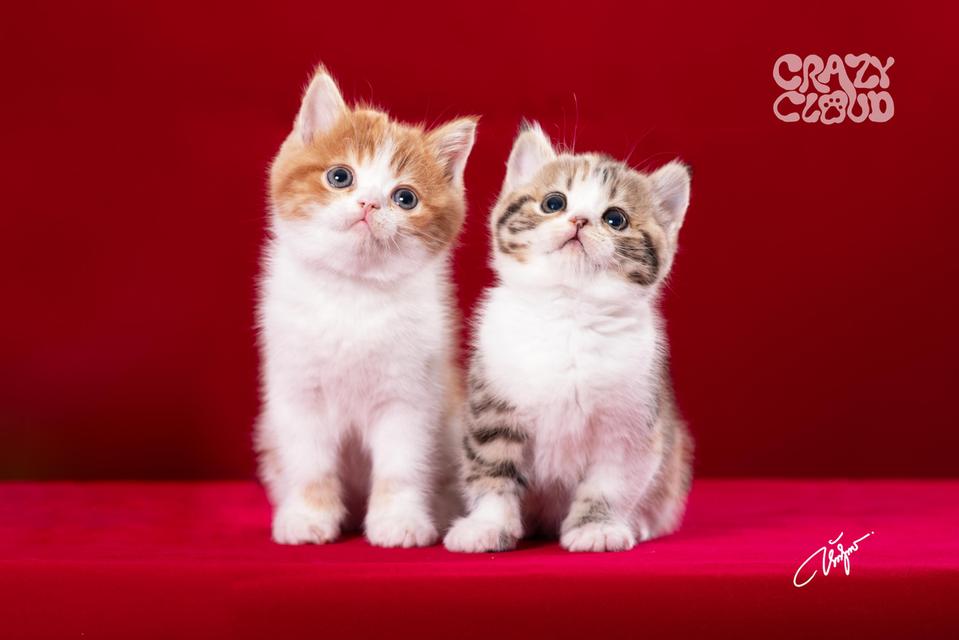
point(572, 246)
point(576, 257)
point(571, 267)
point(355, 250)
point(371, 261)
point(366, 257)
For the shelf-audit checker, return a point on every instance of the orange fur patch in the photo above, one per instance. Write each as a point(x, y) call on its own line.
point(297, 176)
point(323, 494)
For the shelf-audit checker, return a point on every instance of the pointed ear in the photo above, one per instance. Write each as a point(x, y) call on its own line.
point(452, 144)
point(322, 106)
point(671, 189)
point(531, 150)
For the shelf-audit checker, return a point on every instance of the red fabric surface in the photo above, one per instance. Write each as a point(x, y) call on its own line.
point(138, 560)
point(812, 310)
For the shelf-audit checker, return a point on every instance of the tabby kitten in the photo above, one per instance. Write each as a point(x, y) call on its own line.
point(360, 387)
point(572, 427)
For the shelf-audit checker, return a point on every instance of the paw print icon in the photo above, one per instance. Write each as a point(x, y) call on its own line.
point(833, 107)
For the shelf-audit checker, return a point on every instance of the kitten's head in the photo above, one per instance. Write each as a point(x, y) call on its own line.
point(357, 193)
point(585, 220)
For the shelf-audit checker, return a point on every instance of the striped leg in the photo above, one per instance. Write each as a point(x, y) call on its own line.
point(494, 482)
point(599, 518)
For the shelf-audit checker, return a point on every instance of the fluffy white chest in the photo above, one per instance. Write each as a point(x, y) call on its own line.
point(350, 347)
point(570, 367)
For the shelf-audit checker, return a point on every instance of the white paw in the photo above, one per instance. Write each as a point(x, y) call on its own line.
point(473, 535)
point(300, 524)
point(599, 536)
point(409, 530)
point(644, 531)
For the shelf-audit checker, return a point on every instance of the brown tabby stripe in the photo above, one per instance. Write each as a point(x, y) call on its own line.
point(482, 403)
point(523, 223)
point(515, 220)
point(651, 258)
point(494, 442)
point(611, 177)
point(643, 261)
point(485, 435)
point(505, 469)
point(513, 209)
point(593, 511)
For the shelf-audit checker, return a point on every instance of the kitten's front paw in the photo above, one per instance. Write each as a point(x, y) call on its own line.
point(301, 524)
point(410, 530)
point(473, 535)
point(598, 536)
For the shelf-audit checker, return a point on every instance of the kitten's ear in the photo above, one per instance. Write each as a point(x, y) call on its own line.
point(452, 143)
point(671, 189)
point(322, 106)
point(531, 150)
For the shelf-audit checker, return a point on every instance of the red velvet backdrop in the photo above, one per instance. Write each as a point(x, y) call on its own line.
point(812, 310)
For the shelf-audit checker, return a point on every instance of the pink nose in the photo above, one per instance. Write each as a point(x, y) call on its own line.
point(368, 207)
point(578, 221)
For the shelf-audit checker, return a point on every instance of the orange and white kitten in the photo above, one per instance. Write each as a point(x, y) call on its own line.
point(572, 428)
point(358, 329)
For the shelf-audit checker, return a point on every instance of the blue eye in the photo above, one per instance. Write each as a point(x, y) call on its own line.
point(405, 198)
point(554, 202)
point(615, 218)
point(339, 177)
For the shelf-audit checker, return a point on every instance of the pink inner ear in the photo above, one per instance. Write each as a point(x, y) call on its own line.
point(672, 188)
point(322, 107)
point(531, 151)
point(453, 143)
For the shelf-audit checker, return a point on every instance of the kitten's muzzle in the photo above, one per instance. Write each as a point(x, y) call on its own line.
point(579, 222)
point(368, 207)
